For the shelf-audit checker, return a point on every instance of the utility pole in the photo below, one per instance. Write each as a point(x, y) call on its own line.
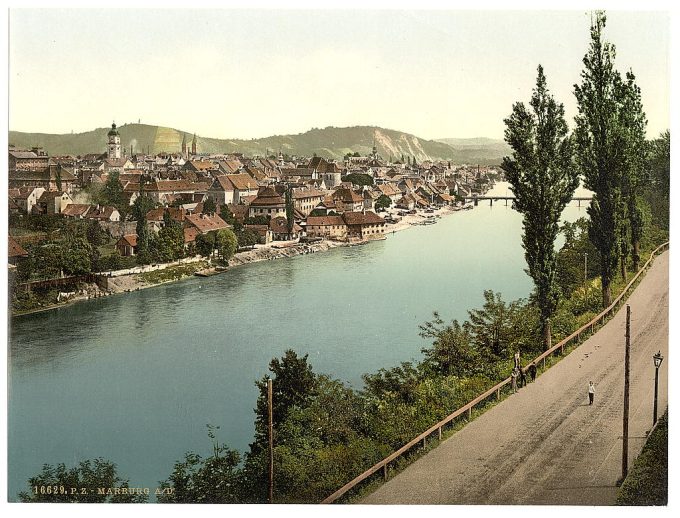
point(626, 396)
point(271, 440)
point(585, 268)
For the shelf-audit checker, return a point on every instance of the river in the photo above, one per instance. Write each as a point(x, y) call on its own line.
point(135, 378)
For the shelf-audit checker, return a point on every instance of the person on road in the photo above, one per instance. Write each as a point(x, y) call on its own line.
point(532, 372)
point(517, 360)
point(514, 376)
point(591, 393)
point(522, 378)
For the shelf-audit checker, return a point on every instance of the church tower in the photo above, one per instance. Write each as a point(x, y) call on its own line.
point(113, 149)
point(193, 145)
point(184, 145)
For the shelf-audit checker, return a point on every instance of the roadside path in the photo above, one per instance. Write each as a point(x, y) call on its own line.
point(545, 444)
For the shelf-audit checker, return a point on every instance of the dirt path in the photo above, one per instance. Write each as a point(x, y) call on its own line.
point(545, 444)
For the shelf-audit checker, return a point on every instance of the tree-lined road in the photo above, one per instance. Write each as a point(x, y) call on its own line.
point(545, 444)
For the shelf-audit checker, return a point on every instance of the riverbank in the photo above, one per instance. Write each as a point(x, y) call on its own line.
point(127, 283)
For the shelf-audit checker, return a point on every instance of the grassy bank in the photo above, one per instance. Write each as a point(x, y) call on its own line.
point(647, 482)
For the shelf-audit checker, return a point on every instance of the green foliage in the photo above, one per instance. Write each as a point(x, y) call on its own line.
point(657, 190)
point(90, 479)
point(358, 179)
point(609, 128)
point(247, 238)
point(571, 258)
point(226, 244)
point(209, 206)
point(205, 244)
point(112, 194)
point(543, 181)
point(169, 244)
point(452, 351)
point(141, 206)
point(647, 481)
point(211, 480)
point(257, 220)
point(492, 327)
point(294, 384)
point(95, 234)
point(383, 202)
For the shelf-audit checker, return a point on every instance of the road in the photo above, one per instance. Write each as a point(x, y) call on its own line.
point(545, 444)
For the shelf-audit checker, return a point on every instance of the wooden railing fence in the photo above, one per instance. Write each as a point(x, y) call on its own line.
point(495, 390)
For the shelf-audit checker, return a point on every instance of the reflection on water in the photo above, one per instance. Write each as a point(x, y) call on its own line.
point(135, 377)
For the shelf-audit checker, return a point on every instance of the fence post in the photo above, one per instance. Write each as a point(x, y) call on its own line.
point(469, 413)
point(424, 443)
point(439, 432)
point(498, 394)
point(385, 472)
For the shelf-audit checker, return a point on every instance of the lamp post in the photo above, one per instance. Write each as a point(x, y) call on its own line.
point(657, 363)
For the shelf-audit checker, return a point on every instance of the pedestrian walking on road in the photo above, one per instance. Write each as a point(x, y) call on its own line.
point(514, 376)
point(591, 393)
point(532, 371)
point(522, 378)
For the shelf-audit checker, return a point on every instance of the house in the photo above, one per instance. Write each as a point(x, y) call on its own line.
point(201, 166)
point(369, 199)
point(15, 252)
point(306, 199)
point(76, 210)
point(52, 202)
point(190, 234)
point(347, 200)
point(24, 160)
point(279, 229)
point(155, 218)
point(389, 190)
point(26, 197)
point(190, 191)
point(267, 203)
point(51, 178)
point(231, 188)
point(327, 227)
point(103, 213)
point(264, 234)
point(205, 223)
point(127, 245)
point(364, 225)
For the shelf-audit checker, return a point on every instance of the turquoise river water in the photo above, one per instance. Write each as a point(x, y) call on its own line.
point(135, 378)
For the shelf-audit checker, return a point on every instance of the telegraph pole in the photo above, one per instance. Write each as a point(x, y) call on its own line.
point(271, 440)
point(626, 396)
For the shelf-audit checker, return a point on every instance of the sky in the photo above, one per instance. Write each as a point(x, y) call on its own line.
point(238, 73)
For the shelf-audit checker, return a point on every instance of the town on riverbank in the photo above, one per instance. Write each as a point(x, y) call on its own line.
point(93, 225)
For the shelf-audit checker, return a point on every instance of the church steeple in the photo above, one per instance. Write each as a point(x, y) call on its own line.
point(113, 149)
point(193, 145)
point(184, 145)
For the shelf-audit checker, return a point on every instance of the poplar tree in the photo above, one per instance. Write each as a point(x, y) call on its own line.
point(633, 123)
point(599, 150)
point(543, 180)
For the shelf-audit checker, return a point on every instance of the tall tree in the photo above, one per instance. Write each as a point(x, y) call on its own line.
point(657, 190)
point(633, 123)
point(543, 181)
point(599, 153)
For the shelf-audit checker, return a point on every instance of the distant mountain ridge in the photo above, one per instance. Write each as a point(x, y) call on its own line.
point(330, 142)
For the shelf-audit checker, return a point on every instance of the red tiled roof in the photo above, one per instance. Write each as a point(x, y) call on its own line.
point(206, 222)
point(76, 209)
point(361, 218)
point(130, 240)
point(325, 220)
point(14, 249)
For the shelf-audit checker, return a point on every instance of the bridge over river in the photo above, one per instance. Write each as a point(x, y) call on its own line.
point(491, 198)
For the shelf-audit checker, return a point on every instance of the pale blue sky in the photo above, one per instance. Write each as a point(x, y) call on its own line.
point(243, 74)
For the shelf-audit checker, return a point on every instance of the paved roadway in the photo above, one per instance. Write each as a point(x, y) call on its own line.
point(545, 444)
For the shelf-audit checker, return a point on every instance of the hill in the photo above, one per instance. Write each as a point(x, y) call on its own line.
point(330, 142)
point(480, 150)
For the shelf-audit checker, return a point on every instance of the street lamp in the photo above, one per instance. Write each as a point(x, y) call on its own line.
point(657, 363)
